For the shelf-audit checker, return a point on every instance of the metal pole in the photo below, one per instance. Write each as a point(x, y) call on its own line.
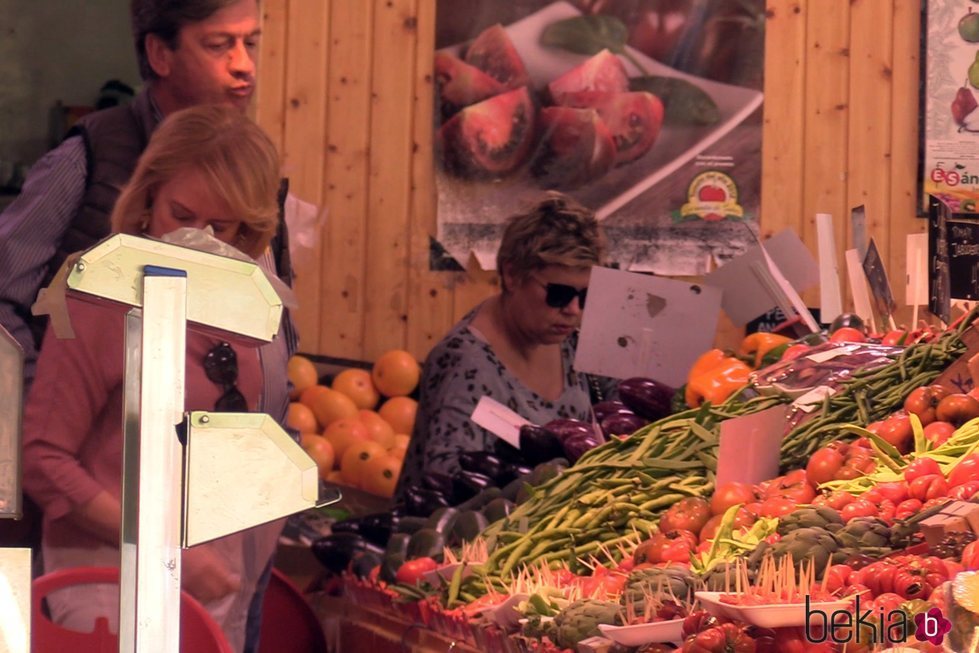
point(149, 599)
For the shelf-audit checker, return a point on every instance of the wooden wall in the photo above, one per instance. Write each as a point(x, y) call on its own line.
point(346, 93)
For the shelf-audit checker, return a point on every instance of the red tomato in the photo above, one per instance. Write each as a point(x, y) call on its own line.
point(924, 401)
point(965, 470)
point(895, 491)
point(847, 334)
point(970, 556)
point(930, 486)
point(690, 514)
point(858, 508)
point(907, 508)
point(957, 408)
point(835, 499)
point(837, 577)
point(730, 494)
point(938, 433)
point(794, 485)
point(823, 465)
point(921, 467)
point(895, 338)
point(965, 492)
point(672, 546)
point(794, 640)
point(777, 506)
point(412, 571)
point(743, 519)
point(795, 351)
point(897, 431)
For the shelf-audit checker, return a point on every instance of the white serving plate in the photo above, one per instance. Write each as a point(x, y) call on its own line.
point(639, 634)
point(778, 615)
point(466, 201)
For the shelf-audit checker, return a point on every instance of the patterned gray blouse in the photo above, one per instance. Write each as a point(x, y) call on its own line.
point(460, 370)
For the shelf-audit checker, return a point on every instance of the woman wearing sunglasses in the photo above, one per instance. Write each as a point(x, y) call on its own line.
point(517, 346)
point(205, 167)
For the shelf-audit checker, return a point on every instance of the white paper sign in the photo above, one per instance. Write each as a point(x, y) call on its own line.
point(745, 298)
point(830, 302)
point(749, 446)
point(499, 420)
point(641, 325)
point(916, 287)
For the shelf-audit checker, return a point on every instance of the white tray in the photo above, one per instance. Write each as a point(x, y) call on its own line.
point(639, 634)
point(777, 615)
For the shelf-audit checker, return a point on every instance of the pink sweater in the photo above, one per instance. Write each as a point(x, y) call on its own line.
point(73, 417)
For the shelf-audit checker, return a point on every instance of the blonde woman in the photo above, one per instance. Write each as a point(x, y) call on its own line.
point(208, 166)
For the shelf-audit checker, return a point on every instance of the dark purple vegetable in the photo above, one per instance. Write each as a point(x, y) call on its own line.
point(466, 485)
point(609, 407)
point(376, 528)
point(363, 563)
point(422, 502)
point(538, 444)
point(577, 444)
point(483, 462)
point(565, 428)
point(520, 471)
point(622, 424)
point(507, 452)
point(646, 397)
point(438, 481)
point(350, 525)
point(335, 551)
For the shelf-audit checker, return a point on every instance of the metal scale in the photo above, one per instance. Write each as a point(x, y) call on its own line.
point(187, 477)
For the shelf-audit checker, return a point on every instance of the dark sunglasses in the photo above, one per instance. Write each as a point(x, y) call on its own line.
point(221, 367)
point(560, 295)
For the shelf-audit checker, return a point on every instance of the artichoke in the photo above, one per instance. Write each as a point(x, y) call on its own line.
point(804, 544)
point(865, 531)
point(815, 517)
point(666, 583)
point(580, 621)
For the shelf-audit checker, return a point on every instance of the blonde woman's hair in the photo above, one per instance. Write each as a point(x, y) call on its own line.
point(235, 157)
point(557, 230)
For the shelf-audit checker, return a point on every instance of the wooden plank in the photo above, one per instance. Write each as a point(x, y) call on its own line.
point(269, 105)
point(429, 296)
point(904, 145)
point(826, 116)
point(869, 136)
point(304, 141)
point(346, 236)
point(389, 199)
point(783, 128)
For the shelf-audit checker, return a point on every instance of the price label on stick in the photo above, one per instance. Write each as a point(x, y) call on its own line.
point(880, 288)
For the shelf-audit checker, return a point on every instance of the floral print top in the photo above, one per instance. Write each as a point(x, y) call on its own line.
point(461, 369)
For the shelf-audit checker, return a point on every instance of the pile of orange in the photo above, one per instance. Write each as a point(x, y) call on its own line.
point(354, 437)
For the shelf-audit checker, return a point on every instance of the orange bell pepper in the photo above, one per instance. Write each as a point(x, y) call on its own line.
point(714, 377)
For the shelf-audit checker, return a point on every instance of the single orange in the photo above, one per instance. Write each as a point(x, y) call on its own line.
point(301, 417)
point(398, 451)
point(328, 405)
point(377, 428)
point(335, 477)
point(321, 451)
point(357, 384)
point(401, 440)
point(400, 413)
point(353, 463)
point(344, 432)
point(396, 373)
point(302, 374)
point(380, 475)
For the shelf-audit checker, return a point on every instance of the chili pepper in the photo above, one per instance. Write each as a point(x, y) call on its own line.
point(756, 345)
point(714, 377)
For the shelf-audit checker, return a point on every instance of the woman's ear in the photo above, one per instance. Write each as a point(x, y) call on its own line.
point(158, 54)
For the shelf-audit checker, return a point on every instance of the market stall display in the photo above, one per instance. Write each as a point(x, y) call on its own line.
point(633, 546)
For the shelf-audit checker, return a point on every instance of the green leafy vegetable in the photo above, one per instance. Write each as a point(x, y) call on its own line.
point(590, 35)
point(685, 103)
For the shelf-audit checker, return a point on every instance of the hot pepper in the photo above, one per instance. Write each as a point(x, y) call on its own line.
point(714, 377)
point(757, 345)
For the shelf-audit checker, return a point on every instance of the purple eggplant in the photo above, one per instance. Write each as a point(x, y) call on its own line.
point(565, 428)
point(538, 444)
point(438, 481)
point(466, 485)
point(337, 550)
point(422, 502)
point(507, 452)
point(646, 397)
point(609, 407)
point(577, 444)
point(622, 424)
point(483, 462)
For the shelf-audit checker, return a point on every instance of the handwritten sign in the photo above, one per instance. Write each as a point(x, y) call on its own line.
point(939, 291)
point(880, 287)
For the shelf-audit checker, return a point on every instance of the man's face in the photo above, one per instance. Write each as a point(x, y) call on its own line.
point(214, 60)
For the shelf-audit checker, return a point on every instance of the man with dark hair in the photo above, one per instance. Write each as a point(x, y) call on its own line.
point(190, 52)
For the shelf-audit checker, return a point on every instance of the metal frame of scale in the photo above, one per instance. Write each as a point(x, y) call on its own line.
point(187, 478)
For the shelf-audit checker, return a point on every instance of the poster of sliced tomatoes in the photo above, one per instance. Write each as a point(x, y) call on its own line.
point(646, 111)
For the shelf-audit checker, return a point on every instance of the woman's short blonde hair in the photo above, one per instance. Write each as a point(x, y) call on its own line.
point(557, 230)
point(232, 153)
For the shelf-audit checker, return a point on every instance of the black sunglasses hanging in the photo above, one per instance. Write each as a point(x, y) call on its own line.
point(221, 368)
